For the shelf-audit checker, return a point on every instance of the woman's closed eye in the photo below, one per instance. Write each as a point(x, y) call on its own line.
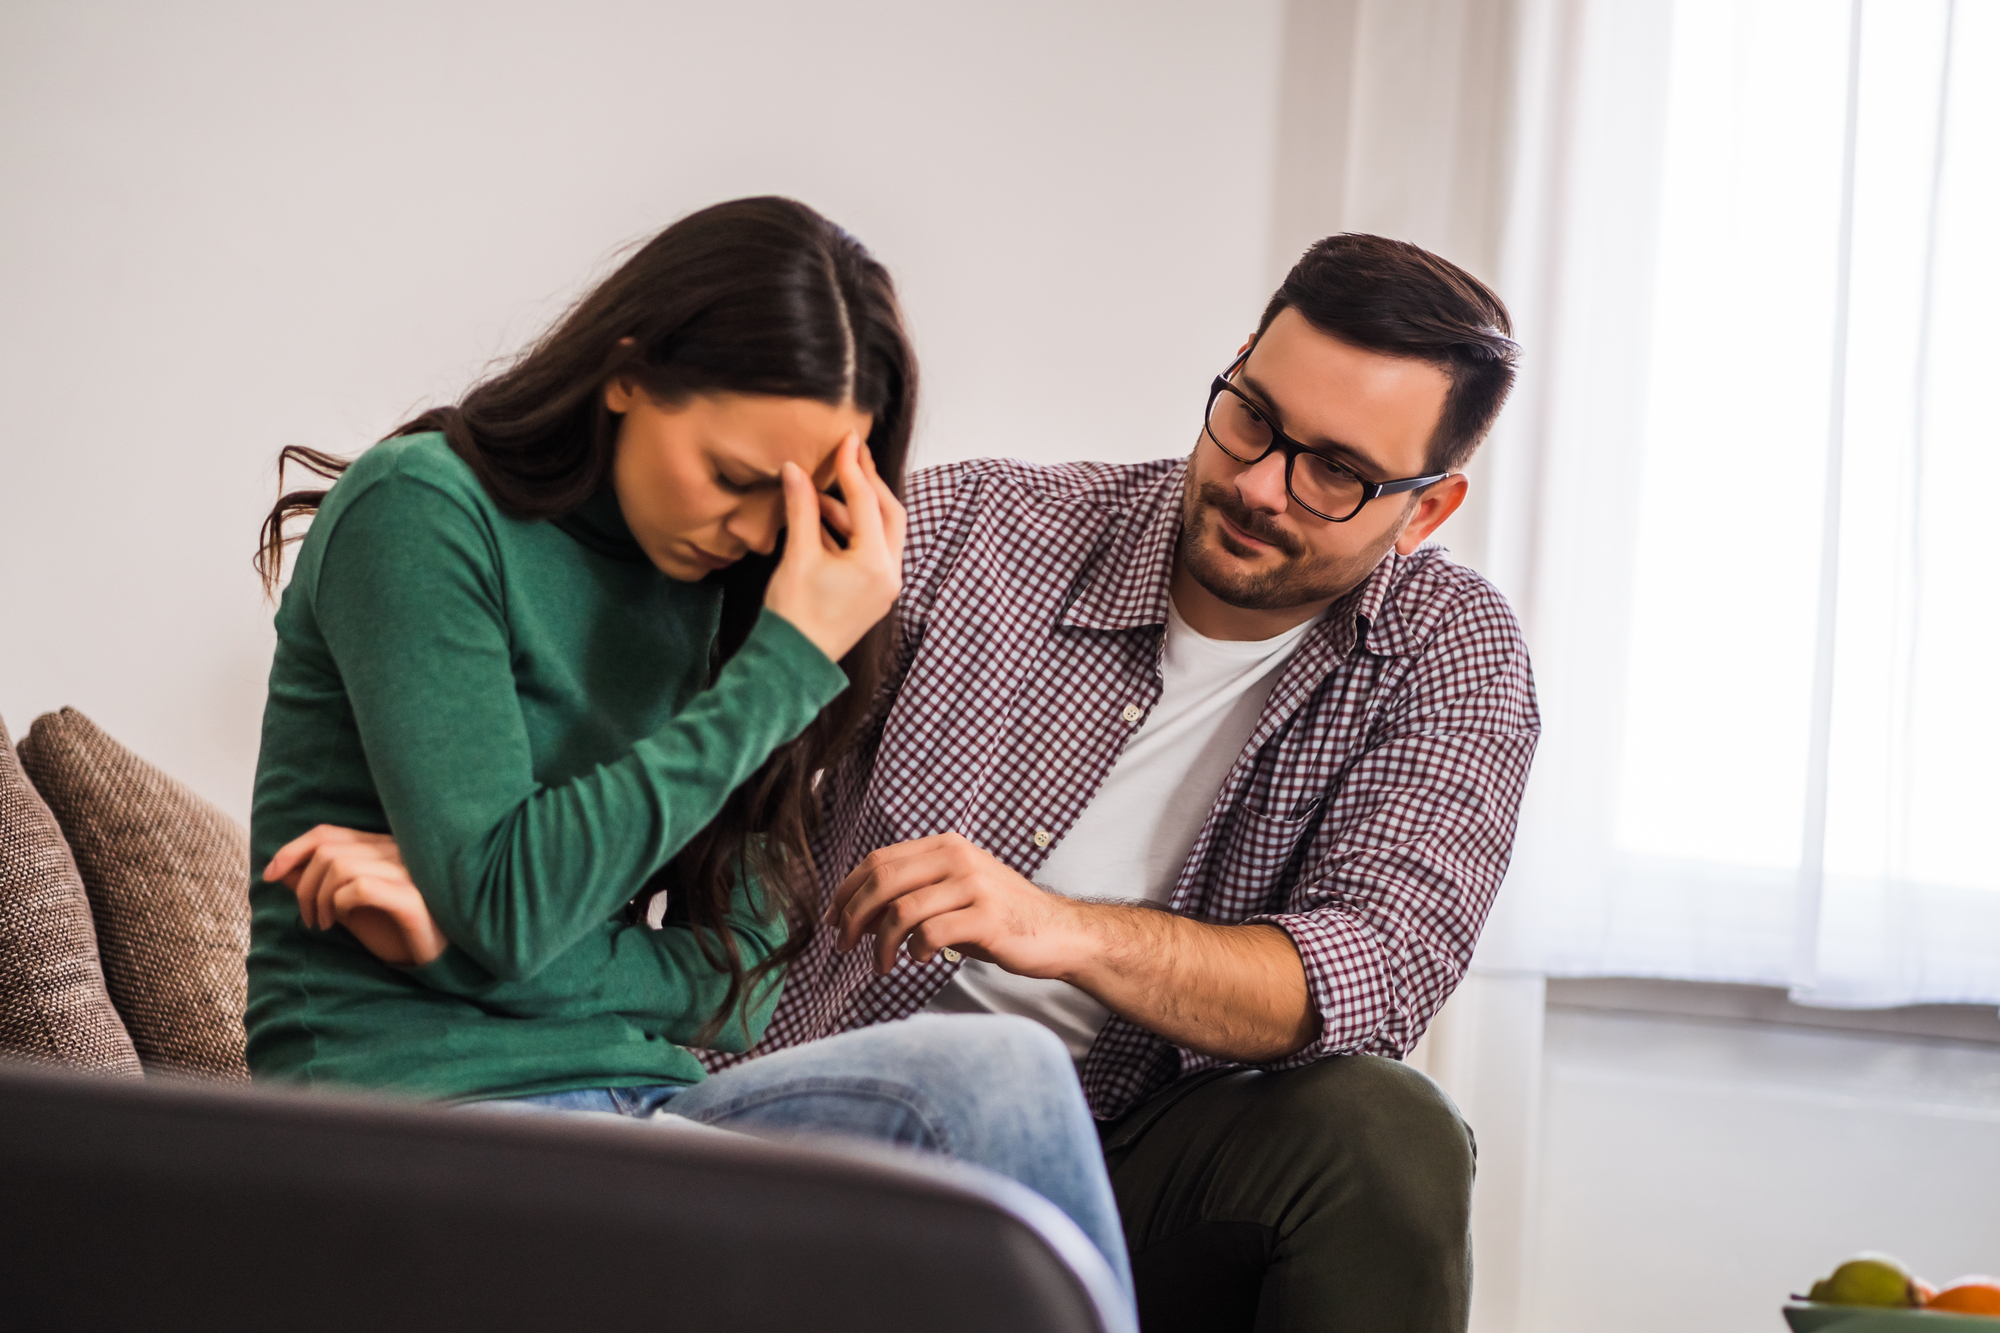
point(742, 485)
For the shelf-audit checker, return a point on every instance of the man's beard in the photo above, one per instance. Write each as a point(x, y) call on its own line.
point(1302, 579)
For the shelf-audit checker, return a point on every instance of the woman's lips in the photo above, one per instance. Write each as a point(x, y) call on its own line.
point(707, 561)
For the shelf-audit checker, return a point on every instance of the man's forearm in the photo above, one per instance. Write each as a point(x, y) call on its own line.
point(1236, 992)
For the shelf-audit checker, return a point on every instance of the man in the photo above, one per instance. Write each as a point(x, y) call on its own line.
point(1212, 767)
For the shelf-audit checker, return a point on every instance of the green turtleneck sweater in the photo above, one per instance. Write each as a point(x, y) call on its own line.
point(522, 704)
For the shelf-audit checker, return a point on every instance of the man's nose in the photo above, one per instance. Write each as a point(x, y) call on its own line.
point(1262, 484)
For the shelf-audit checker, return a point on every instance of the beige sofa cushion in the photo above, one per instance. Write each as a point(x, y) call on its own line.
point(53, 1005)
point(168, 876)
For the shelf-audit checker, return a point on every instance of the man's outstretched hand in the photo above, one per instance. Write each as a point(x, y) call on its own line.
point(944, 892)
point(1238, 992)
point(347, 878)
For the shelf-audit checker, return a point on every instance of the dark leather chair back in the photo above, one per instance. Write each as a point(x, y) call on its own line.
point(159, 1206)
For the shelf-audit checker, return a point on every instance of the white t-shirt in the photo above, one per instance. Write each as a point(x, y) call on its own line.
point(1133, 839)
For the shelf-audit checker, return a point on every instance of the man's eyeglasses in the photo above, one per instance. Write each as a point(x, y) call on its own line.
point(1245, 431)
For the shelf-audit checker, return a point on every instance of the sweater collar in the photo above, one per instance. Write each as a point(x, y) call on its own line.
point(600, 525)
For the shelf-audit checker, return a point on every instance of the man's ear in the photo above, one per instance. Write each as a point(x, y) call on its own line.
point(1437, 504)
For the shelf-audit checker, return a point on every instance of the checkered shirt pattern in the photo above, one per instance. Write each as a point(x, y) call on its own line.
point(1370, 815)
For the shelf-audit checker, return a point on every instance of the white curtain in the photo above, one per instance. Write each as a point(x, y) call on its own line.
point(1744, 497)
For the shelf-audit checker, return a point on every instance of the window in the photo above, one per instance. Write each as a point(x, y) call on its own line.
point(1769, 649)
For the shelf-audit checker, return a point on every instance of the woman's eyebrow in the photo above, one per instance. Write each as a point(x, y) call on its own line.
point(1335, 447)
point(740, 465)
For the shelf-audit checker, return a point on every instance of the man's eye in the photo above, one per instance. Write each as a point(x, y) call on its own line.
point(723, 480)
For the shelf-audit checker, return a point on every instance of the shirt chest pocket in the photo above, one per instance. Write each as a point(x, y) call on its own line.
point(1261, 859)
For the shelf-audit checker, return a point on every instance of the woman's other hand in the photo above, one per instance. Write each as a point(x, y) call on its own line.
point(830, 595)
point(357, 880)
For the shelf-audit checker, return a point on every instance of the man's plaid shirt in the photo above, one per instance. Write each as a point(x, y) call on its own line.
point(1370, 815)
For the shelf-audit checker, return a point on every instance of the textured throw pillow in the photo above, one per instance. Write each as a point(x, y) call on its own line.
point(168, 876)
point(53, 1006)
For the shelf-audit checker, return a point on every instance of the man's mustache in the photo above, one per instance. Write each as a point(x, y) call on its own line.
point(1224, 500)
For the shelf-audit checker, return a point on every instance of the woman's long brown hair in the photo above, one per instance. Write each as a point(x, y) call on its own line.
point(757, 296)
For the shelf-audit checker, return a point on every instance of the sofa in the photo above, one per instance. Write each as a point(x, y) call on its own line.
point(150, 1183)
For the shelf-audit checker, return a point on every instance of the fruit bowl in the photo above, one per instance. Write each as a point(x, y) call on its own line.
point(1812, 1316)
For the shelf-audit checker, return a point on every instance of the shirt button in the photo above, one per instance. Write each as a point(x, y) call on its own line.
point(1132, 712)
point(1043, 837)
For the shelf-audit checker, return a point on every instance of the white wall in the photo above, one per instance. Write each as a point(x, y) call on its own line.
point(231, 227)
point(1694, 1172)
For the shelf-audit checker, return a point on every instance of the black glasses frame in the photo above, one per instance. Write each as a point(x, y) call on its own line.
point(1370, 490)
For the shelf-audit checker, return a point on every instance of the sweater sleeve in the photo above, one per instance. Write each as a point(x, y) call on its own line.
point(660, 977)
point(410, 599)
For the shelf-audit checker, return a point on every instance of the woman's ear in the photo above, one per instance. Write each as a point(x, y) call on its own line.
point(618, 390)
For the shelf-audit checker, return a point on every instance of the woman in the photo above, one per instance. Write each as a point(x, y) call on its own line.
point(586, 637)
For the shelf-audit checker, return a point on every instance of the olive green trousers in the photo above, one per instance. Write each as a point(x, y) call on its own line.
point(1334, 1196)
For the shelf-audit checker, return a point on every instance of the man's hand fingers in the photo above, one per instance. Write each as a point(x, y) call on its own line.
point(911, 911)
point(867, 867)
point(949, 930)
point(885, 885)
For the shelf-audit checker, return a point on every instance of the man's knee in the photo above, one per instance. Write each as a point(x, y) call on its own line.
point(1373, 1138)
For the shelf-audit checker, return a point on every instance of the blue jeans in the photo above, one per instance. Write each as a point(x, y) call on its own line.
point(989, 1089)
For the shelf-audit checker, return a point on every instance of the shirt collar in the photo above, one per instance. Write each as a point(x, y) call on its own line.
point(1130, 584)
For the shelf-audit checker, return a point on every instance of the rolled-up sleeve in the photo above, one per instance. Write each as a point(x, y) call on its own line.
point(1400, 875)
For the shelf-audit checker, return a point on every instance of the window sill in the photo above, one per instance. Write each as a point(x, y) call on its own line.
point(1769, 1004)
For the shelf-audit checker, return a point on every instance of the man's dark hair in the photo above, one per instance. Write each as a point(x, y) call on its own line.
point(1399, 299)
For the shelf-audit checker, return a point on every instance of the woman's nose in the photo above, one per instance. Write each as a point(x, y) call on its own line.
point(757, 525)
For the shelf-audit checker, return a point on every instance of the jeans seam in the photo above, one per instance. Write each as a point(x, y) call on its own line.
point(883, 1090)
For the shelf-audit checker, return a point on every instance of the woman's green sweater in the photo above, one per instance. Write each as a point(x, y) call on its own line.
point(522, 705)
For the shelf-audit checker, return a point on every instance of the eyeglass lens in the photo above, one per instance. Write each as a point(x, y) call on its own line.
point(1245, 435)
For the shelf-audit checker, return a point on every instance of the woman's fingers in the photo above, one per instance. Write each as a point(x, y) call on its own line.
point(390, 918)
point(834, 514)
point(833, 596)
point(801, 513)
point(895, 520)
point(294, 853)
point(864, 504)
point(290, 859)
point(334, 864)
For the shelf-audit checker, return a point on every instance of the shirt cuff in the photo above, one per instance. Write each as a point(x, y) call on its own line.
point(1345, 978)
